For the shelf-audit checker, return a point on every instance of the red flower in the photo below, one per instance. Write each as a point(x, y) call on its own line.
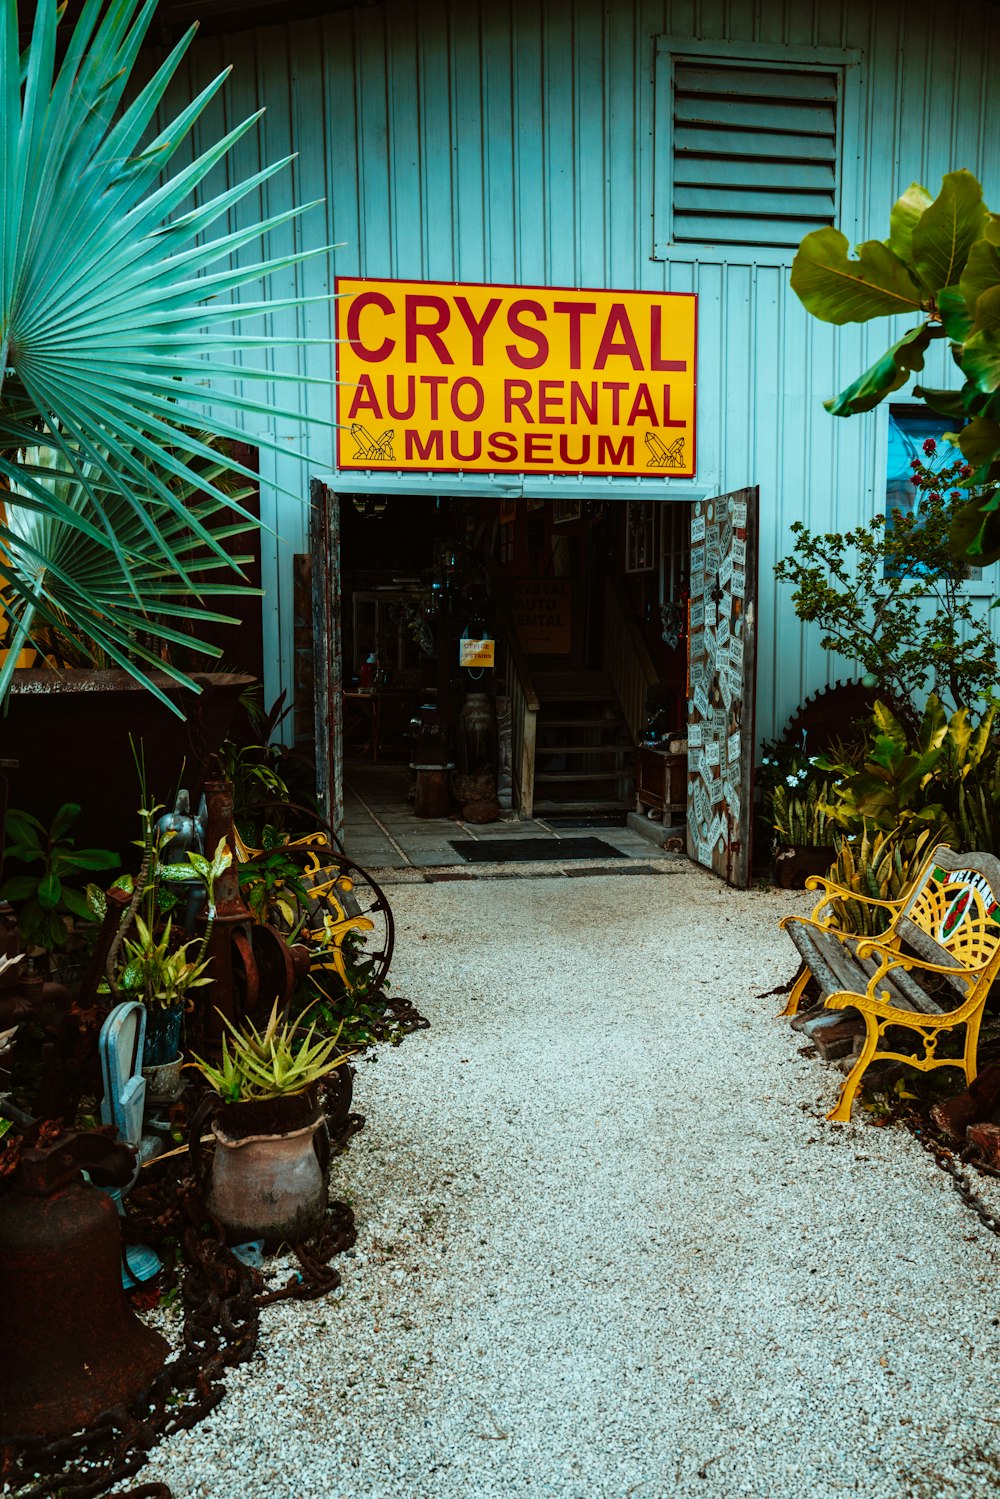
point(930, 446)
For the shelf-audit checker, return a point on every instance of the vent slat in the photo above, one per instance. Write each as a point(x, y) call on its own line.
point(776, 233)
point(755, 153)
point(776, 83)
point(763, 203)
point(747, 144)
point(707, 171)
point(756, 114)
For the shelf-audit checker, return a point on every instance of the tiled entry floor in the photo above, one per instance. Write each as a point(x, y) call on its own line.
point(381, 832)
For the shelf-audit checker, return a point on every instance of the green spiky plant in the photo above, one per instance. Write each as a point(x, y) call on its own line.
point(802, 820)
point(272, 1063)
point(879, 866)
point(114, 319)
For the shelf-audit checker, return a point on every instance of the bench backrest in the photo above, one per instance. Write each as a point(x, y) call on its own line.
point(952, 915)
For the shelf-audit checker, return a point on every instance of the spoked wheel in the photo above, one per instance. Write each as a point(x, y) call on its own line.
point(340, 913)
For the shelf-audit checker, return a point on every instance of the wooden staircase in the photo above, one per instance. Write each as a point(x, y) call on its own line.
point(584, 753)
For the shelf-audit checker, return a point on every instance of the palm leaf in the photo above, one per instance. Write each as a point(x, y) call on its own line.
point(115, 316)
point(59, 576)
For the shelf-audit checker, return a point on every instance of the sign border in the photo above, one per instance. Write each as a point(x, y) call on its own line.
point(524, 473)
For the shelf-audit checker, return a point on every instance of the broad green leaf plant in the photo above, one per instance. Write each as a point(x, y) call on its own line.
point(47, 895)
point(115, 319)
point(912, 781)
point(941, 265)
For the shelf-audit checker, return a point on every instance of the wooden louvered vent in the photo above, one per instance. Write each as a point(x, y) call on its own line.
point(755, 153)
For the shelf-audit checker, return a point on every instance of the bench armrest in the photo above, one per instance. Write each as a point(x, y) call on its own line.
point(889, 959)
point(833, 892)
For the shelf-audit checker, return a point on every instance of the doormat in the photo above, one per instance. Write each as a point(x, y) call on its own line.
point(530, 850)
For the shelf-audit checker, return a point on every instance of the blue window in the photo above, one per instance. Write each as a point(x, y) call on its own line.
point(909, 428)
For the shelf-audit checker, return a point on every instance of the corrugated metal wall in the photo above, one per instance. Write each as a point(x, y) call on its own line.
point(513, 140)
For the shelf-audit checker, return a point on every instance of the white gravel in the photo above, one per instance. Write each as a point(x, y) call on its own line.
point(608, 1246)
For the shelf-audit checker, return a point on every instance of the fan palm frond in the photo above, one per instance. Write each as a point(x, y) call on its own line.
point(114, 318)
point(60, 578)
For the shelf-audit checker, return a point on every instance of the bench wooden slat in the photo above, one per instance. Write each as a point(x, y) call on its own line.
point(924, 945)
point(835, 967)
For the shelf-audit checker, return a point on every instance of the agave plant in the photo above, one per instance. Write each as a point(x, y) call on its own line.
point(271, 1063)
point(114, 318)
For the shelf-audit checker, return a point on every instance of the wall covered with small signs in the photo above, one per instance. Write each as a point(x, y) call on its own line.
point(721, 683)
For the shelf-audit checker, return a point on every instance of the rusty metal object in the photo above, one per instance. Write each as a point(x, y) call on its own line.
point(116, 904)
point(976, 1104)
point(222, 1298)
point(73, 1347)
point(5, 765)
point(235, 988)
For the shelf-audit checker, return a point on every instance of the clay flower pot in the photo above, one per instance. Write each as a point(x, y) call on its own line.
point(794, 863)
point(269, 1184)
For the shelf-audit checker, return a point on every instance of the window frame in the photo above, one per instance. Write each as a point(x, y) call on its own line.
point(669, 50)
point(985, 585)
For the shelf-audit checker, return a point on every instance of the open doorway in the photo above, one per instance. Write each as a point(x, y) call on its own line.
point(508, 663)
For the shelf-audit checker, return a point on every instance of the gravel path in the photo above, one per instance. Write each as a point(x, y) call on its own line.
point(609, 1247)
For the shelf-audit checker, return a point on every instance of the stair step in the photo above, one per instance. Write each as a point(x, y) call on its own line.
point(620, 747)
point(592, 804)
point(613, 721)
point(575, 678)
point(561, 776)
point(547, 751)
point(572, 695)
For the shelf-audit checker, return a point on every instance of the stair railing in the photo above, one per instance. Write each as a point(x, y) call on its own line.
point(627, 662)
point(524, 705)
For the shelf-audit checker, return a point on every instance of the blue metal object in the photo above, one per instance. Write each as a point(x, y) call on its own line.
point(121, 1051)
point(251, 1253)
point(533, 145)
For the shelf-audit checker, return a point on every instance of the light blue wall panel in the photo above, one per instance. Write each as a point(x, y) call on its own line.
point(513, 140)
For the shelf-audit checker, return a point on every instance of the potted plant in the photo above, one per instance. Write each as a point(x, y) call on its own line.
point(47, 896)
point(158, 969)
point(796, 797)
point(162, 975)
point(268, 1174)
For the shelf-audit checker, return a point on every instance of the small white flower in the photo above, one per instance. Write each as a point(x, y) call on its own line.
point(791, 780)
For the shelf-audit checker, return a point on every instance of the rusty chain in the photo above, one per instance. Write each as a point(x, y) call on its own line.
point(946, 1161)
point(221, 1299)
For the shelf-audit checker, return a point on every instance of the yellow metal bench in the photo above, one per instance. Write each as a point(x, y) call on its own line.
point(946, 925)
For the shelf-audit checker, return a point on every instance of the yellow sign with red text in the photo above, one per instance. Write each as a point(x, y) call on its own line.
point(477, 653)
point(443, 377)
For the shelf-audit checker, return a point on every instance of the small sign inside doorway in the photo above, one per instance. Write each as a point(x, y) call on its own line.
point(543, 615)
point(477, 652)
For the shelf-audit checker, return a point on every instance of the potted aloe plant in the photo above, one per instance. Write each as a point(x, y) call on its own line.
point(268, 1173)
